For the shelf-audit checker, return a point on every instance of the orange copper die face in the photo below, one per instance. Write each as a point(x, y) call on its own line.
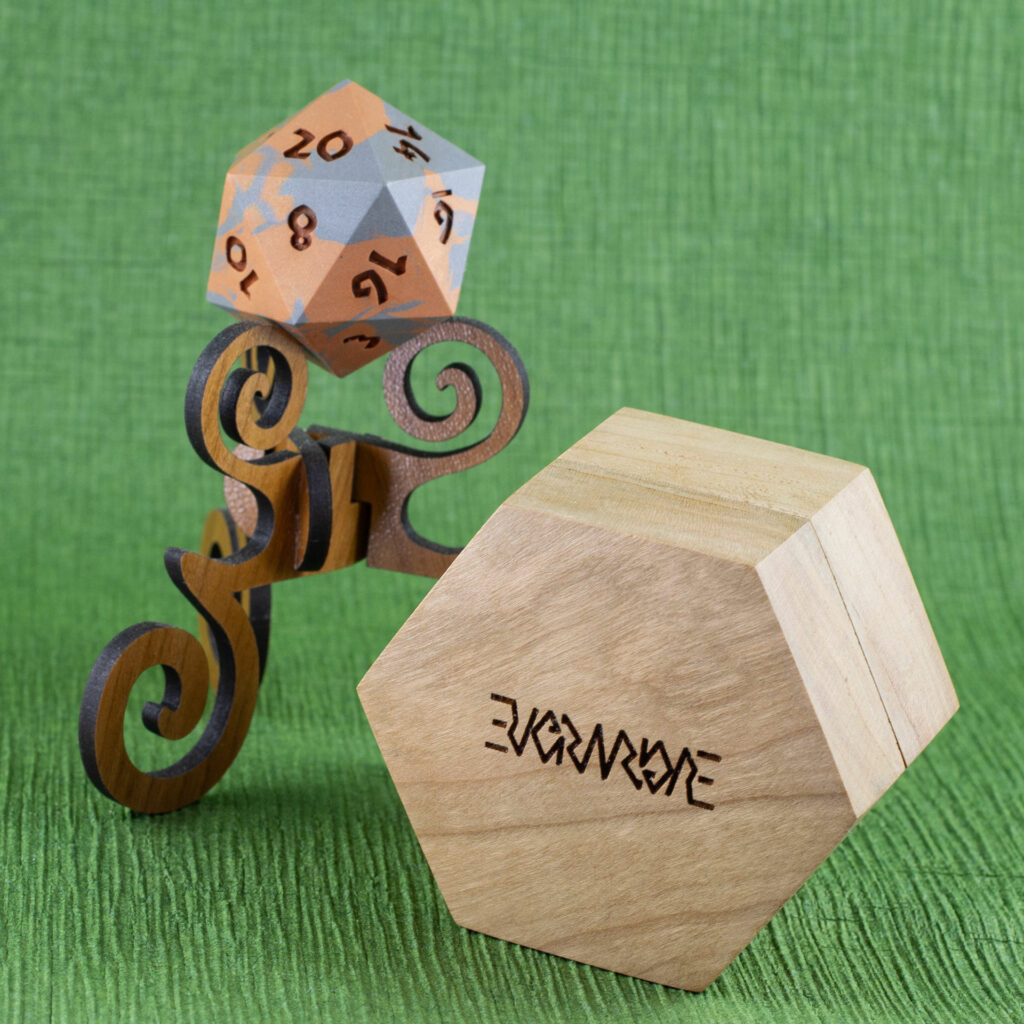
point(348, 225)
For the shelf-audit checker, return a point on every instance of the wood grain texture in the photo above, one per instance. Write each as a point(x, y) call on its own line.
point(221, 538)
point(881, 598)
point(648, 721)
point(802, 589)
point(218, 398)
point(563, 616)
point(303, 503)
point(387, 474)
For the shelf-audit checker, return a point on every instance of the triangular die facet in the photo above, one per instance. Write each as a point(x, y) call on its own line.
point(411, 149)
point(328, 139)
point(440, 212)
point(340, 209)
point(381, 237)
point(382, 219)
point(447, 298)
point(410, 194)
point(257, 201)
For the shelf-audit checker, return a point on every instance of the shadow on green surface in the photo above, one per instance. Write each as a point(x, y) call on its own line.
point(386, 933)
point(325, 849)
point(362, 914)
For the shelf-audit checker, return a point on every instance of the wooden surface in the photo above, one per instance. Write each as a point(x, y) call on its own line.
point(388, 474)
point(801, 587)
point(277, 550)
point(646, 581)
point(878, 591)
point(304, 503)
point(222, 537)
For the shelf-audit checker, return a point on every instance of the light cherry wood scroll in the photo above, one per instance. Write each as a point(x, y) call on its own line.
point(654, 692)
point(304, 502)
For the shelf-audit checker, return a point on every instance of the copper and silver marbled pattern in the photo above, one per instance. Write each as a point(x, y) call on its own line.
point(348, 225)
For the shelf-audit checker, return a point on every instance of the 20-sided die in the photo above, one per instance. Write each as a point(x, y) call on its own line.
point(348, 225)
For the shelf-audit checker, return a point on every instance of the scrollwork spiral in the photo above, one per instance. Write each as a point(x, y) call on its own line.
point(411, 417)
point(259, 408)
point(390, 472)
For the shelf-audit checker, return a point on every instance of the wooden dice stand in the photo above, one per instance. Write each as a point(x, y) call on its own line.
point(301, 502)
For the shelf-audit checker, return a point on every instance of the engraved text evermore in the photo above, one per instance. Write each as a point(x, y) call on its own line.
point(649, 766)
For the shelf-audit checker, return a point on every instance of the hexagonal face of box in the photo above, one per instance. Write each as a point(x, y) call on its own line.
point(649, 697)
point(606, 749)
point(348, 225)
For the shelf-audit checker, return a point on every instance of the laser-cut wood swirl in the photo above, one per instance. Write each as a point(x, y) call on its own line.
point(303, 503)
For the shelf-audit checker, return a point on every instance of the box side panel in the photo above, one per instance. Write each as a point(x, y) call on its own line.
point(879, 592)
point(815, 622)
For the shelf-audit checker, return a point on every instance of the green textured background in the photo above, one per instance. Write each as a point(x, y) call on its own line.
point(797, 220)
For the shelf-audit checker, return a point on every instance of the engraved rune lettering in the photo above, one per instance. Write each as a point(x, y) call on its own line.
point(556, 748)
point(556, 738)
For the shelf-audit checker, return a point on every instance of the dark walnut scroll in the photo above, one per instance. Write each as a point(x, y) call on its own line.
point(387, 474)
point(302, 502)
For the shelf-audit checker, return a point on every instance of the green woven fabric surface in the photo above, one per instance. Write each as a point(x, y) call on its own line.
point(796, 220)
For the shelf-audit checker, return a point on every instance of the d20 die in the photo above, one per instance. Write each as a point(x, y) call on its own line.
point(348, 225)
point(654, 692)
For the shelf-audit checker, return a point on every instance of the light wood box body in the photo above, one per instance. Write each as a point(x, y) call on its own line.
point(721, 595)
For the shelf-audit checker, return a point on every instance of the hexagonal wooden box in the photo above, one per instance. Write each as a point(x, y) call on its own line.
point(654, 692)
